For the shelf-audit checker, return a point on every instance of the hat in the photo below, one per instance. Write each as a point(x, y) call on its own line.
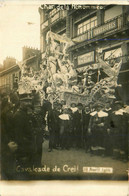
point(59, 104)
point(55, 103)
point(73, 104)
point(98, 104)
point(80, 104)
point(118, 102)
point(90, 72)
point(63, 102)
point(25, 97)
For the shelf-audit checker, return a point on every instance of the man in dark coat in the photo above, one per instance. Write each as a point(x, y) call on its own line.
point(78, 125)
point(119, 127)
point(36, 121)
point(116, 129)
point(87, 135)
point(51, 122)
point(24, 134)
point(73, 128)
point(53, 126)
point(65, 129)
point(124, 137)
point(8, 141)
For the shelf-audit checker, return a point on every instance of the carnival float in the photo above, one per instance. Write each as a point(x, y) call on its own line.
point(58, 80)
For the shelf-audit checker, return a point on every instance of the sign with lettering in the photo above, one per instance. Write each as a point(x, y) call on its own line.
point(105, 28)
point(70, 97)
point(86, 58)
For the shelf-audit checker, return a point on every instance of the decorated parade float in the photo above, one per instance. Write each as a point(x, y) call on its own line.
point(58, 79)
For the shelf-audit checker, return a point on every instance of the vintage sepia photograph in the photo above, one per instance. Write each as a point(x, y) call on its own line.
point(64, 91)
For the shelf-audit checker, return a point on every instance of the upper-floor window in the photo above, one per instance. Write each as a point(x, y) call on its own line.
point(86, 25)
point(112, 56)
point(112, 12)
point(53, 12)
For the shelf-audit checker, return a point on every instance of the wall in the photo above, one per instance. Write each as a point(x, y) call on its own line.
point(28, 52)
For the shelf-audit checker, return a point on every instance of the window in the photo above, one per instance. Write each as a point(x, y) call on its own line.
point(7, 79)
point(53, 12)
point(112, 56)
point(86, 25)
point(13, 77)
point(112, 13)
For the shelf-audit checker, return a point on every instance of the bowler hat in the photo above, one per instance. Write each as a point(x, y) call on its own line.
point(80, 104)
point(73, 104)
point(25, 97)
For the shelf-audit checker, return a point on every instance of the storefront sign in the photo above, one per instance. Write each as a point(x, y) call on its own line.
point(105, 28)
point(70, 97)
point(86, 58)
point(55, 17)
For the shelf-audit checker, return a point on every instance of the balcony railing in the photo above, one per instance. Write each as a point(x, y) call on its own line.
point(109, 26)
point(58, 15)
point(88, 26)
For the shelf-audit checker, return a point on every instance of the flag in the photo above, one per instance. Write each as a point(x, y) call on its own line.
point(111, 72)
point(57, 37)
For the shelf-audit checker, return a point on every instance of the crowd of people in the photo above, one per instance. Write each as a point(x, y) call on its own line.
point(96, 130)
point(21, 133)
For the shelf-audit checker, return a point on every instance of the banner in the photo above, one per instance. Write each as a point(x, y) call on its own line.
point(108, 70)
point(70, 98)
point(60, 38)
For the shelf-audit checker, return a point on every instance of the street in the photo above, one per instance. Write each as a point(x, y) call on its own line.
point(73, 163)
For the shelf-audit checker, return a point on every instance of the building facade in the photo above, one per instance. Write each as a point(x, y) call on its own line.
point(92, 29)
point(31, 57)
point(10, 72)
point(9, 75)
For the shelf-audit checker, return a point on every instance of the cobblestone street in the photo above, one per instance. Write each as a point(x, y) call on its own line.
point(72, 164)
